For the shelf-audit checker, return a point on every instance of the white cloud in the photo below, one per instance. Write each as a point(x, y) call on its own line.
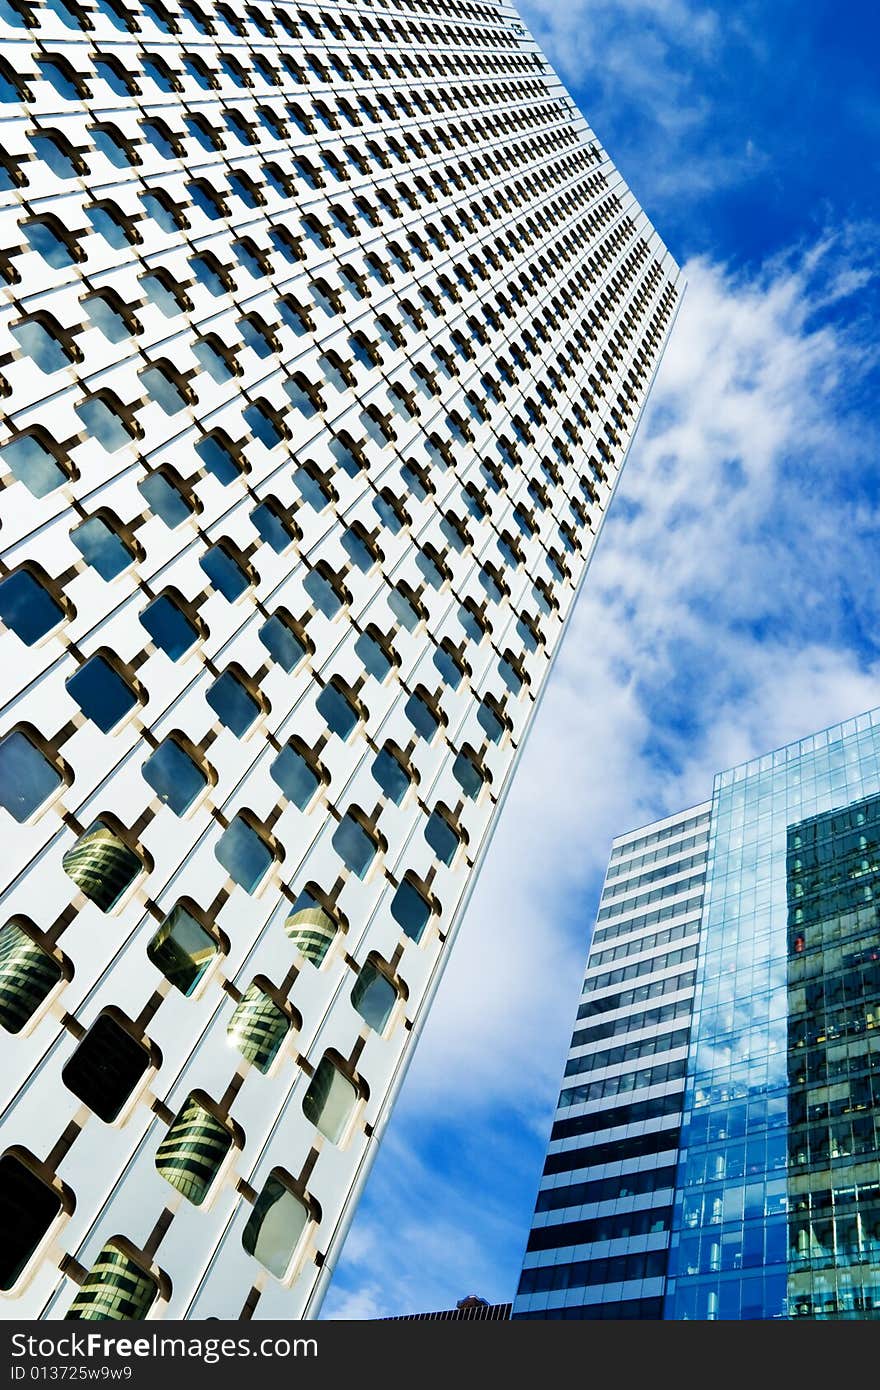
point(716, 623)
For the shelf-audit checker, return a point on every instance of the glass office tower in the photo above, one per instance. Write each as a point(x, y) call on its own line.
point(774, 1211)
point(325, 331)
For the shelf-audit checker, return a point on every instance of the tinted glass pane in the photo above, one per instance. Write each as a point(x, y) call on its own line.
point(28, 974)
point(169, 628)
point(182, 949)
point(332, 705)
point(223, 573)
point(110, 323)
point(274, 1227)
point(192, 1152)
point(421, 718)
point(245, 856)
point(410, 910)
point(442, 838)
point(27, 1209)
point(32, 465)
point(217, 460)
point(295, 777)
point(49, 245)
point(27, 607)
point(102, 866)
point(371, 654)
point(101, 693)
point(115, 1290)
point(322, 594)
point(403, 610)
point(357, 551)
point(232, 703)
point(491, 723)
point(374, 997)
point(257, 1027)
point(39, 344)
point(447, 668)
point(271, 528)
point(329, 1101)
point(282, 643)
point(164, 500)
point(105, 1068)
point(467, 776)
point(353, 845)
point(174, 777)
point(26, 778)
point(103, 549)
point(103, 424)
point(310, 928)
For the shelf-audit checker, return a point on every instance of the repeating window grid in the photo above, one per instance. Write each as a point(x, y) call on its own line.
point(224, 524)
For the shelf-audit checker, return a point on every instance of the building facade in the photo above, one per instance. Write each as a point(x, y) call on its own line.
point(771, 1201)
point(472, 1308)
point(325, 329)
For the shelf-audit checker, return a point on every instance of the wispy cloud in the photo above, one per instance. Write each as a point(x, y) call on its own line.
point(731, 608)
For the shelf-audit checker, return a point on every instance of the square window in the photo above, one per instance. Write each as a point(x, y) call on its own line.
point(32, 464)
point(410, 910)
point(490, 722)
point(106, 1067)
point(232, 703)
point(275, 1226)
point(357, 551)
point(115, 1290)
point(101, 693)
point(224, 573)
point(467, 776)
point(355, 847)
point(330, 1100)
point(442, 838)
point(174, 777)
point(218, 460)
point(28, 974)
point(102, 866)
point(322, 594)
point(295, 776)
point(310, 928)
point(193, 1151)
point(103, 424)
point(392, 778)
point(332, 705)
point(423, 720)
point(258, 1027)
point(164, 500)
point(182, 949)
point(169, 627)
point(28, 1206)
point(101, 547)
point(374, 996)
point(282, 643)
point(244, 854)
point(271, 528)
point(374, 657)
point(27, 778)
point(27, 607)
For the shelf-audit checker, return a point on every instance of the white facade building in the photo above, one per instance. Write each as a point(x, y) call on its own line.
point(324, 331)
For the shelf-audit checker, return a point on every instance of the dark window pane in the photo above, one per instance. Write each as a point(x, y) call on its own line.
point(27, 779)
point(218, 461)
point(223, 572)
point(467, 776)
point(27, 1209)
point(491, 723)
point(174, 777)
point(410, 910)
point(332, 705)
point(101, 693)
point(353, 845)
point(442, 838)
point(374, 997)
point(115, 1290)
point(169, 627)
point(192, 1152)
point(329, 1100)
point(423, 720)
point(27, 607)
point(164, 500)
point(390, 775)
point(105, 1068)
point(271, 528)
point(274, 1227)
point(372, 655)
point(101, 547)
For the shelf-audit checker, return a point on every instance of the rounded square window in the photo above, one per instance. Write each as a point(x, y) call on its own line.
point(330, 1100)
point(295, 776)
point(410, 910)
point(374, 997)
point(340, 715)
point(28, 1207)
point(27, 606)
point(182, 949)
point(391, 775)
point(275, 1226)
point(258, 1027)
point(28, 975)
point(355, 847)
point(193, 1151)
point(103, 695)
point(116, 1289)
point(27, 778)
point(282, 643)
point(176, 779)
point(102, 866)
point(310, 928)
point(244, 854)
point(107, 1066)
point(169, 627)
point(225, 574)
point(32, 463)
point(443, 840)
point(101, 547)
point(233, 703)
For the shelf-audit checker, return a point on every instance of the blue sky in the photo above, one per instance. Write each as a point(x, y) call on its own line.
point(733, 602)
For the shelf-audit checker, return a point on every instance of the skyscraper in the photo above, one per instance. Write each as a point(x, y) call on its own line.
point(731, 1169)
point(325, 332)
